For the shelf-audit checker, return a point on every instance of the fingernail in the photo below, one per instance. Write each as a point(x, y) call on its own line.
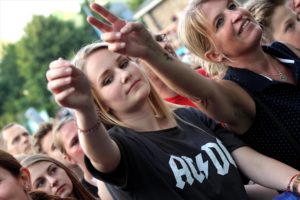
point(123, 44)
point(118, 35)
point(68, 69)
point(68, 80)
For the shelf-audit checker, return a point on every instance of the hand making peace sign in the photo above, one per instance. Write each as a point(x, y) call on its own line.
point(129, 38)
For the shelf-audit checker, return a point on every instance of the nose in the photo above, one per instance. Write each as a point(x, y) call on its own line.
point(25, 139)
point(53, 181)
point(236, 16)
point(125, 76)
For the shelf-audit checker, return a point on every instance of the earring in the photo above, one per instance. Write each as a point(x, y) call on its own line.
point(27, 188)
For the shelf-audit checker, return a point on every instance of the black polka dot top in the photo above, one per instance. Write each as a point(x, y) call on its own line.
point(277, 108)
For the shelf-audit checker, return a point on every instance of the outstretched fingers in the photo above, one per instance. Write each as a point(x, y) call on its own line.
point(99, 24)
point(104, 13)
point(116, 23)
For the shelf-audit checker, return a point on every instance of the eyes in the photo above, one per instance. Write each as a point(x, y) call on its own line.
point(41, 182)
point(109, 78)
point(53, 147)
point(221, 19)
point(291, 25)
point(75, 141)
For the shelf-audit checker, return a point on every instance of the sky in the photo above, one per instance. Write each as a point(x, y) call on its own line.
point(15, 14)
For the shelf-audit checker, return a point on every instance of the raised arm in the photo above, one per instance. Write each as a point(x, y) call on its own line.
point(71, 89)
point(224, 100)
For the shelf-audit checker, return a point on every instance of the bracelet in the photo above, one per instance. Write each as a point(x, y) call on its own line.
point(296, 184)
point(92, 129)
point(289, 185)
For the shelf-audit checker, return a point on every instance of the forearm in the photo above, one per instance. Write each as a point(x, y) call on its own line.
point(213, 97)
point(262, 169)
point(177, 74)
point(95, 141)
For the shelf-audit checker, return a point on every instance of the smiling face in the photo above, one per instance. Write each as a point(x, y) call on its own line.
point(286, 26)
point(118, 82)
point(11, 188)
point(232, 28)
point(48, 177)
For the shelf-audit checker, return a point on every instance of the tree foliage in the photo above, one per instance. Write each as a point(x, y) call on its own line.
point(134, 4)
point(24, 64)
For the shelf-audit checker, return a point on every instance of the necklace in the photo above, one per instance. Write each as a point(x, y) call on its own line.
point(282, 76)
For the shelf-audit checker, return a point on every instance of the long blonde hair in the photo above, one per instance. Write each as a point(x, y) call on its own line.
point(158, 106)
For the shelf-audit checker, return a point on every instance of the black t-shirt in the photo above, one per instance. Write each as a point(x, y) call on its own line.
point(184, 162)
point(91, 188)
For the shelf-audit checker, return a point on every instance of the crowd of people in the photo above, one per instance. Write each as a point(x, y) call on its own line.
point(146, 125)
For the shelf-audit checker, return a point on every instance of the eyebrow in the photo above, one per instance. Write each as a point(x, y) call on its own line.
point(21, 134)
point(119, 58)
point(106, 71)
point(72, 140)
point(220, 14)
point(286, 22)
point(14, 139)
point(40, 175)
point(49, 168)
point(215, 19)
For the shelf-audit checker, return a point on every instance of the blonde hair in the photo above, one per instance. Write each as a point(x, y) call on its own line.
point(195, 35)
point(158, 106)
point(263, 11)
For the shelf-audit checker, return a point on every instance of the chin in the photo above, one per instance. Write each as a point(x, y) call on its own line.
point(67, 193)
point(256, 37)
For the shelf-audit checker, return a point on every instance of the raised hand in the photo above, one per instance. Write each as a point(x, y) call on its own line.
point(130, 38)
point(69, 85)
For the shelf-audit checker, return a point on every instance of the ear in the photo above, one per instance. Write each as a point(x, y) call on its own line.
point(69, 159)
point(214, 55)
point(25, 179)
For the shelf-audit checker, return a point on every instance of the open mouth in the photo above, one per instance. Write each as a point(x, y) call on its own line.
point(244, 25)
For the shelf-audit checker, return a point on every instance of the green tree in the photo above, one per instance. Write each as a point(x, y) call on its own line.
point(134, 4)
point(24, 64)
point(11, 87)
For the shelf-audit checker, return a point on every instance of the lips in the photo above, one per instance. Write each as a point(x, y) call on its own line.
point(244, 25)
point(60, 190)
point(133, 84)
